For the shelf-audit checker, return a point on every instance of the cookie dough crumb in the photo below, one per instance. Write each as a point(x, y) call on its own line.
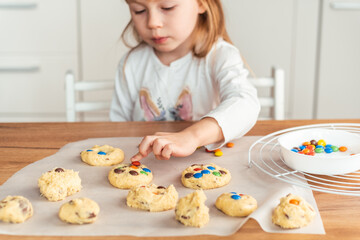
point(102, 155)
point(126, 176)
point(152, 198)
point(293, 212)
point(59, 183)
point(79, 211)
point(15, 209)
point(192, 211)
point(235, 204)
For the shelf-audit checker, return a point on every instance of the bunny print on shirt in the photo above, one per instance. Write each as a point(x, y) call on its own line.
point(182, 111)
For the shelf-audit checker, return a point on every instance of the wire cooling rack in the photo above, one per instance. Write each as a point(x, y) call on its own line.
point(265, 155)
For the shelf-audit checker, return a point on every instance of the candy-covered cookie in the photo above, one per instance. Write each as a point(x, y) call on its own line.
point(102, 155)
point(15, 209)
point(235, 204)
point(293, 212)
point(152, 198)
point(205, 176)
point(79, 211)
point(191, 210)
point(126, 176)
point(59, 183)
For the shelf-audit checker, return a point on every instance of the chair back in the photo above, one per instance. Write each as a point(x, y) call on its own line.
point(72, 88)
point(276, 100)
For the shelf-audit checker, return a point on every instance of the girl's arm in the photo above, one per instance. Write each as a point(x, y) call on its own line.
point(232, 118)
point(180, 144)
point(239, 105)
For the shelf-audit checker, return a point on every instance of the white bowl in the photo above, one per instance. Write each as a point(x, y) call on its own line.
point(322, 163)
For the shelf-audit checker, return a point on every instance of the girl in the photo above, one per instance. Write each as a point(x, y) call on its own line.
point(183, 68)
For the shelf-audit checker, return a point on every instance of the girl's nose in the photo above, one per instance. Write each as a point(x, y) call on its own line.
point(154, 20)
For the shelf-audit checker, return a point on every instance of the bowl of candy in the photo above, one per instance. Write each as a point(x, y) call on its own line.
point(321, 151)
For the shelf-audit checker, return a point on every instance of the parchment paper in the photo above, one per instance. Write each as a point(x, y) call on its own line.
point(116, 218)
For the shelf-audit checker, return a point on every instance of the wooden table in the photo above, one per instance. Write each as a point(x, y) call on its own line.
point(25, 143)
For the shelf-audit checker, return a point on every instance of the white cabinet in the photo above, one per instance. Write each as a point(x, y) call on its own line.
point(339, 61)
point(33, 84)
point(279, 33)
point(262, 31)
point(302, 74)
point(38, 26)
point(38, 43)
point(102, 23)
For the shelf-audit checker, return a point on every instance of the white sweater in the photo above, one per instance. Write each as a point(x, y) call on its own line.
point(189, 89)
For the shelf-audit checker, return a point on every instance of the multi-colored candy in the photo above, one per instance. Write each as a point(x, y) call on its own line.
point(204, 171)
point(205, 176)
point(230, 144)
point(218, 152)
point(236, 196)
point(294, 201)
point(312, 147)
point(136, 163)
point(342, 149)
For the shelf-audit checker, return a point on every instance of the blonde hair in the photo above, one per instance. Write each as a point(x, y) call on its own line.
point(209, 28)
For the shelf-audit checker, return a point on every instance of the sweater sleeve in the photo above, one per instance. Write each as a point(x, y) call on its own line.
point(239, 106)
point(122, 104)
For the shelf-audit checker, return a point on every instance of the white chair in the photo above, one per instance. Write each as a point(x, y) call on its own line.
point(276, 101)
point(73, 87)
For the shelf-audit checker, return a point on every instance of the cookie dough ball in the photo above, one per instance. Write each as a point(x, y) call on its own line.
point(79, 211)
point(236, 205)
point(192, 211)
point(102, 155)
point(293, 212)
point(59, 183)
point(205, 176)
point(15, 209)
point(152, 198)
point(126, 176)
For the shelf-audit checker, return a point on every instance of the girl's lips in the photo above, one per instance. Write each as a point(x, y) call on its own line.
point(160, 40)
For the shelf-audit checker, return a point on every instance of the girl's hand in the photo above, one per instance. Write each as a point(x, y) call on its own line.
point(164, 145)
point(180, 144)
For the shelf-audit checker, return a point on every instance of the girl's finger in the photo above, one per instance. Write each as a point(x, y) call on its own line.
point(158, 146)
point(167, 151)
point(146, 145)
point(159, 157)
point(136, 157)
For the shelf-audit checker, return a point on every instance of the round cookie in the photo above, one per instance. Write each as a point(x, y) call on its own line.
point(126, 176)
point(192, 211)
point(15, 209)
point(59, 183)
point(102, 155)
point(293, 212)
point(152, 198)
point(205, 176)
point(236, 205)
point(79, 211)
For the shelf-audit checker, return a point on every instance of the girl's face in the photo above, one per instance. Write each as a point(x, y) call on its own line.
point(166, 25)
